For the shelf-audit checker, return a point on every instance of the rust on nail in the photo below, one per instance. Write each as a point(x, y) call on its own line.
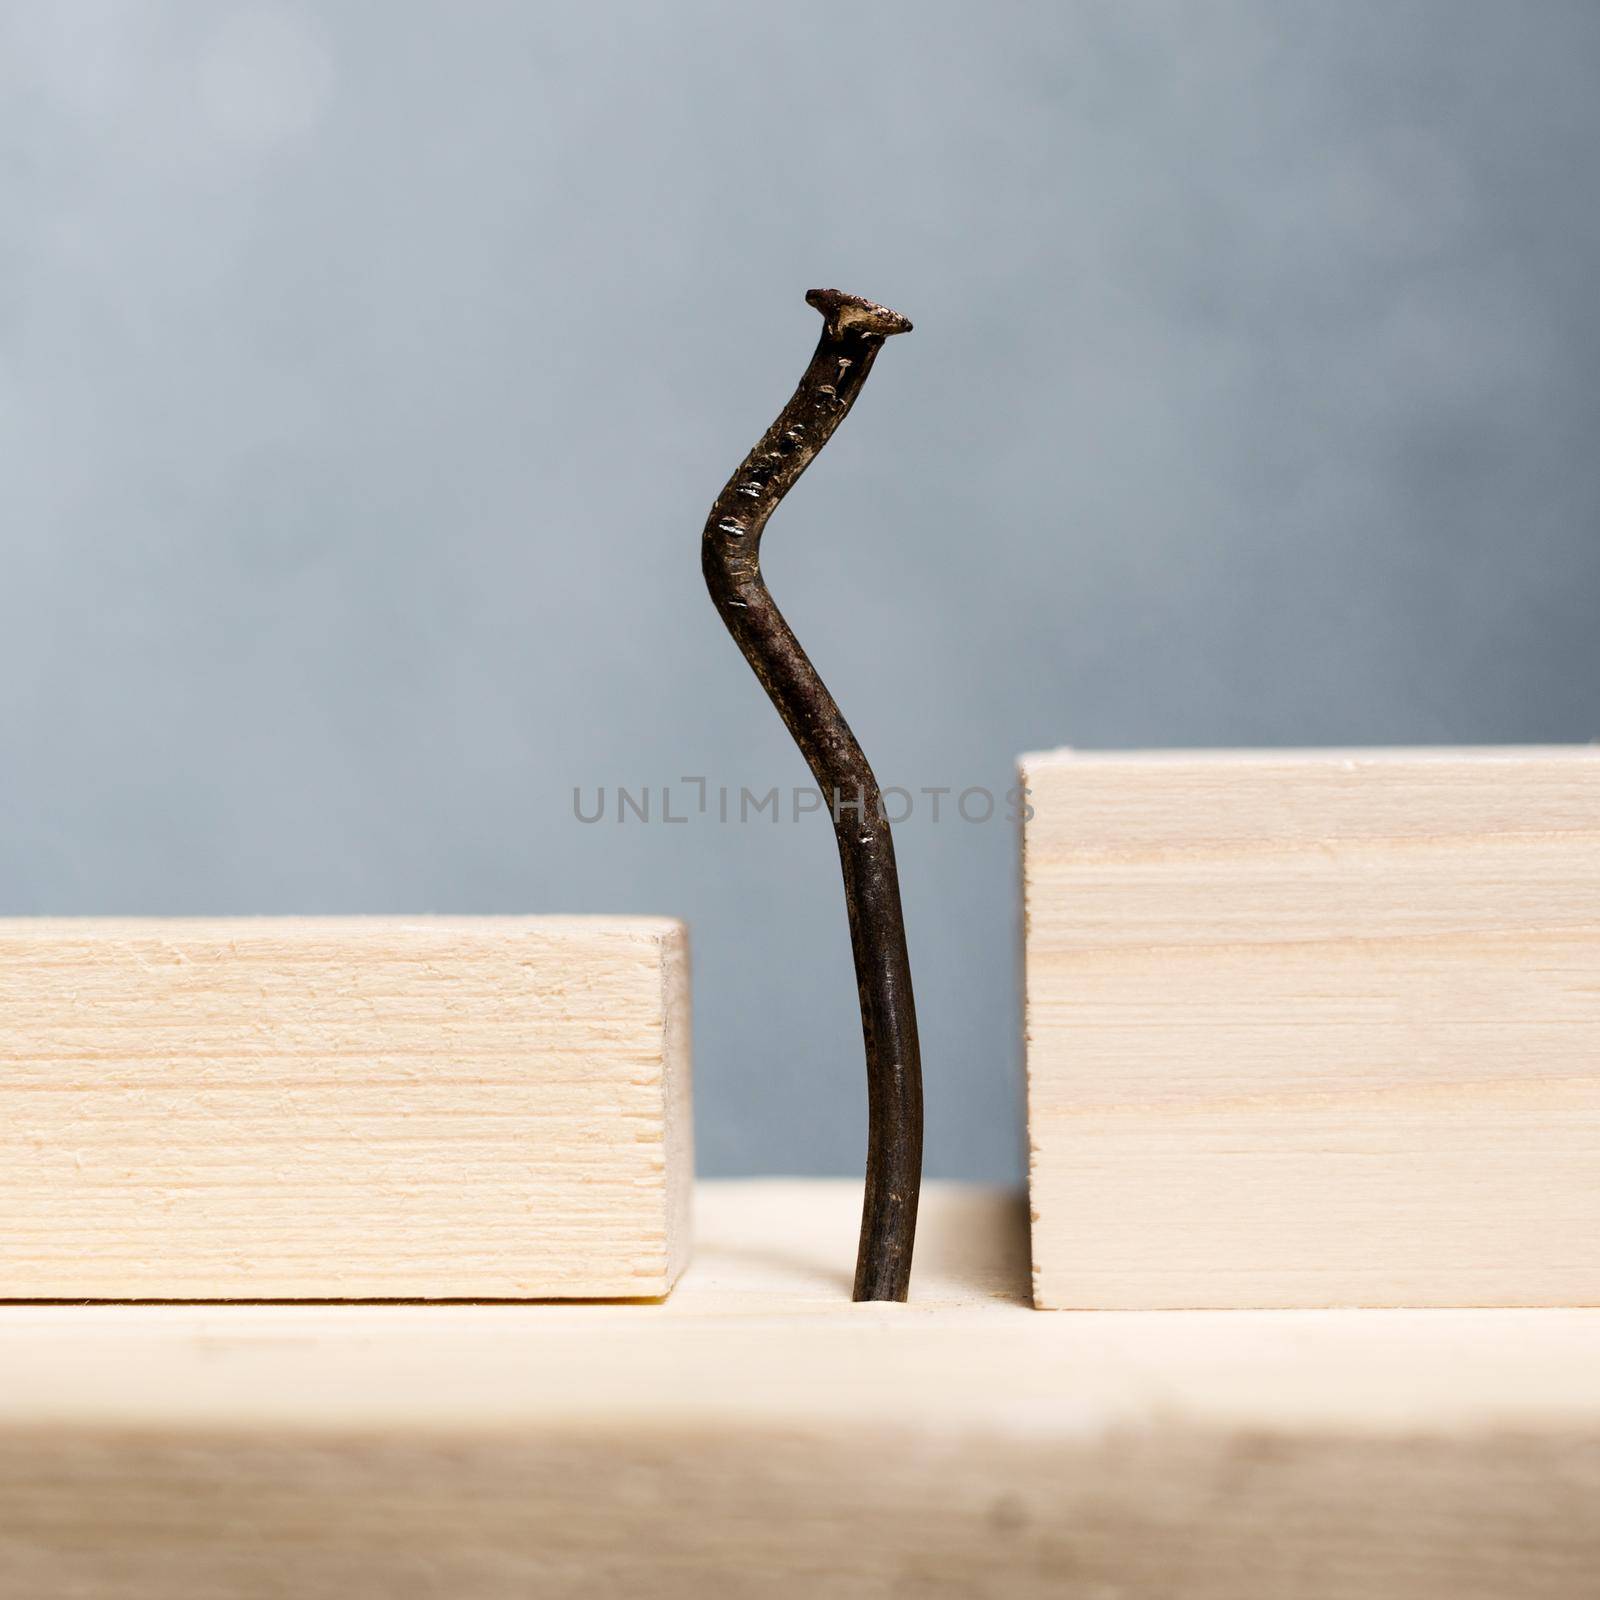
point(853, 331)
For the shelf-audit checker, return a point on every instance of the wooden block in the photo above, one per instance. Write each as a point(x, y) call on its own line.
point(344, 1108)
point(1314, 1028)
point(757, 1434)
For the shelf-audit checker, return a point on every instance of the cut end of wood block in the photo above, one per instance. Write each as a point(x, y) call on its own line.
point(344, 1108)
point(1314, 1028)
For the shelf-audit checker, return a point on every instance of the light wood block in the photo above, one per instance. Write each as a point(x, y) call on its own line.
point(330, 1108)
point(756, 1434)
point(1314, 1028)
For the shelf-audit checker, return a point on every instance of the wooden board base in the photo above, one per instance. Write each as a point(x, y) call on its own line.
point(316, 1108)
point(1314, 1028)
point(758, 1435)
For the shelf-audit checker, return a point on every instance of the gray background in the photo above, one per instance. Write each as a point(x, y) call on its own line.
point(366, 370)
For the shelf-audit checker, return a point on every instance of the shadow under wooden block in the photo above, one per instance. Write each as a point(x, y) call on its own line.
point(344, 1108)
point(1314, 1028)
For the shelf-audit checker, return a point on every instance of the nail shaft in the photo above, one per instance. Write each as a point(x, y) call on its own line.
point(853, 333)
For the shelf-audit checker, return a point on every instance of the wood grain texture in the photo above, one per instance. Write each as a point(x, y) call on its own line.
point(1314, 1028)
point(758, 1435)
point(344, 1107)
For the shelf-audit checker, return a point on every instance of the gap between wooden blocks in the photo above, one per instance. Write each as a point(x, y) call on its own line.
point(1304, 1029)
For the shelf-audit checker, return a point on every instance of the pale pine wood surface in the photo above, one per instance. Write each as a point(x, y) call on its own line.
point(1314, 1028)
point(343, 1107)
point(756, 1434)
